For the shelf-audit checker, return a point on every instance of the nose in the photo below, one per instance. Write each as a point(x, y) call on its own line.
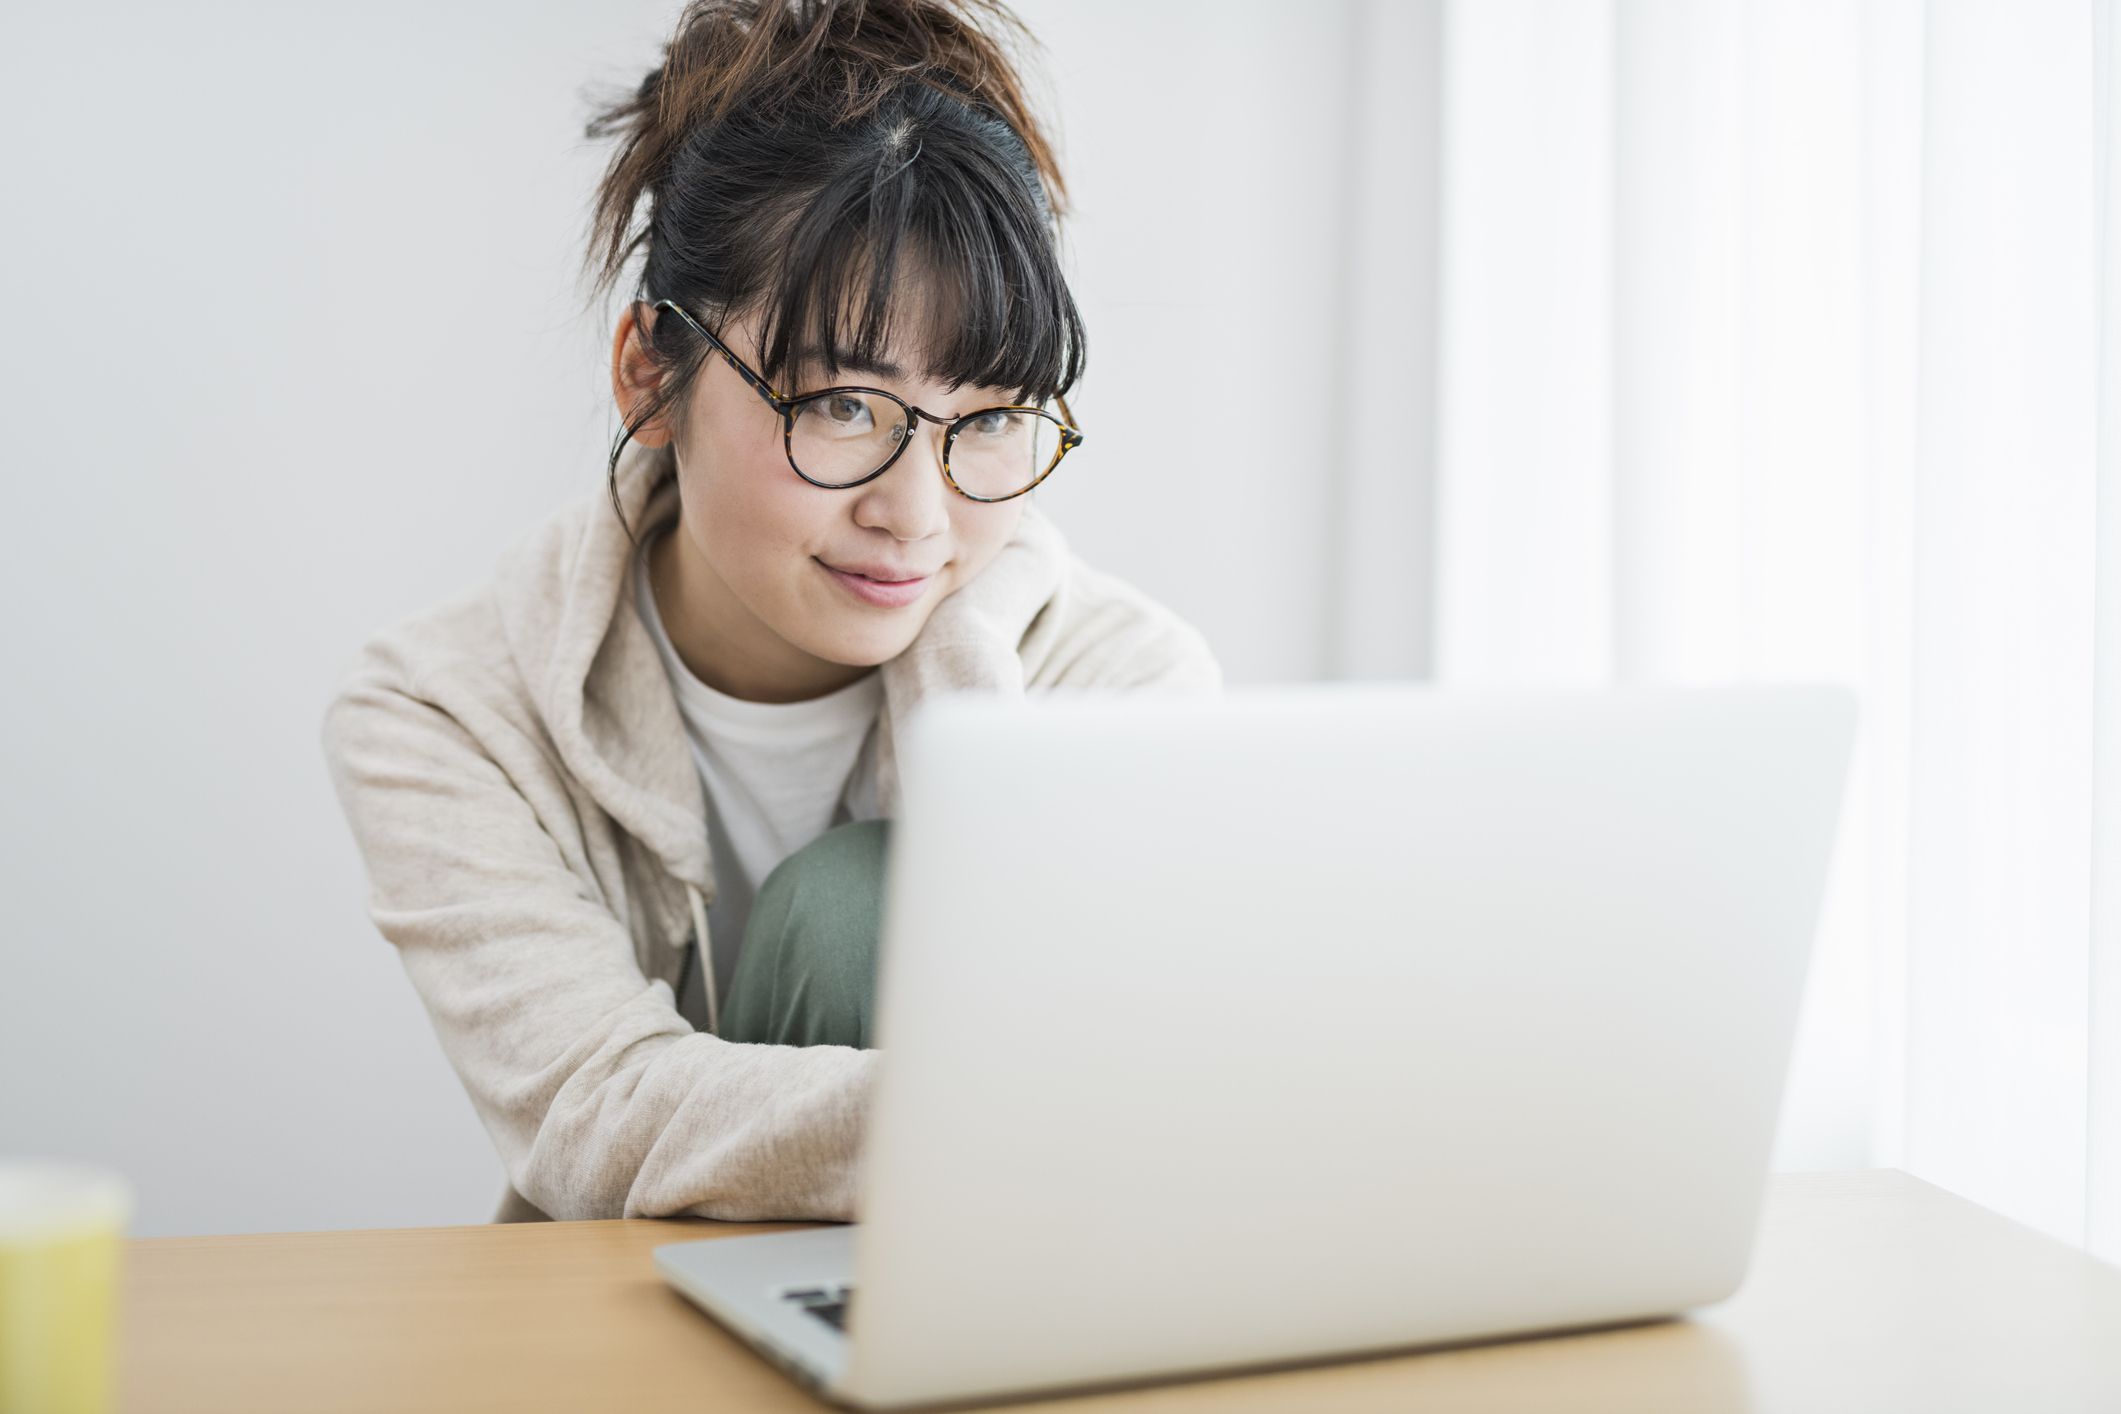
point(911, 501)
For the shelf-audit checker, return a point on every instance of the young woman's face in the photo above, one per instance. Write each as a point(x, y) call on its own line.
point(786, 589)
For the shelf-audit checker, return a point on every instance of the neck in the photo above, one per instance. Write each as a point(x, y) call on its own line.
point(721, 642)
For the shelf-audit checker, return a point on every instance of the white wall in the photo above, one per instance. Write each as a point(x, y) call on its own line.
point(292, 346)
point(290, 351)
point(1223, 157)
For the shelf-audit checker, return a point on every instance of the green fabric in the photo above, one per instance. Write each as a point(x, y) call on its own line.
point(807, 972)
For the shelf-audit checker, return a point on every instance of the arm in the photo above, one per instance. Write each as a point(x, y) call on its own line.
point(602, 1101)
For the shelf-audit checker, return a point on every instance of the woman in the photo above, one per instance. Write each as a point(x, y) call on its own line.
point(623, 807)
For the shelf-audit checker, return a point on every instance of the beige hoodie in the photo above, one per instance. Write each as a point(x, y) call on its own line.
point(516, 774)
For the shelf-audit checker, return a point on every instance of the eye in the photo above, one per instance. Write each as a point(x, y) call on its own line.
point(838, 416)
point(848, 412)
point(997, 423)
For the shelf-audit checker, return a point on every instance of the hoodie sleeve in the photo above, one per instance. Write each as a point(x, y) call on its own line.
point(602, 1100)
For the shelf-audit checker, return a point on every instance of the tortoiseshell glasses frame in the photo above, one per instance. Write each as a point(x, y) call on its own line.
point(1067, 436)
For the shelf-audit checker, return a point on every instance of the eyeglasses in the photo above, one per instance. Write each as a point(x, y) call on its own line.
point(843, 437)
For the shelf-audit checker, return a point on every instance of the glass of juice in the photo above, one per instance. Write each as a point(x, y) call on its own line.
point(60, 1228)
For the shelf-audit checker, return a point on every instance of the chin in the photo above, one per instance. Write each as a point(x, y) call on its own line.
point(858, 649)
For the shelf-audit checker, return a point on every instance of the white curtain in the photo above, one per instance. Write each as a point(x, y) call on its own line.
point(1778, 338)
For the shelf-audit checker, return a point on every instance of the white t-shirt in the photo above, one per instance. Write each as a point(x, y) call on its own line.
point(777, 776)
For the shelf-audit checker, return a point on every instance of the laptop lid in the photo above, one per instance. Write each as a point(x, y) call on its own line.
point(1309, 1021)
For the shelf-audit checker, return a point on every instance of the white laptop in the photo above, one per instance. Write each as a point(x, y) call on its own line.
point(1308, 1022)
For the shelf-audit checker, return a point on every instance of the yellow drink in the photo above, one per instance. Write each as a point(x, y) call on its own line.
point(60, 1226)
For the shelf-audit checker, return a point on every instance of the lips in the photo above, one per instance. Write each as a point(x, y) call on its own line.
point(879, 585)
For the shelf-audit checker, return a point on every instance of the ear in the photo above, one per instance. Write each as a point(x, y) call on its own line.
point(635, 374)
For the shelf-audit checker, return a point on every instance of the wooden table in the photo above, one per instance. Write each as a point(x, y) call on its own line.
point(1870, 1292)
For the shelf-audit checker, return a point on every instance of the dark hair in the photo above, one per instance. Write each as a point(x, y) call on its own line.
point(797, 156)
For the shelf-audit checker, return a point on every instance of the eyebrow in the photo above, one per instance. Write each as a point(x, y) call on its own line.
point(846, 363)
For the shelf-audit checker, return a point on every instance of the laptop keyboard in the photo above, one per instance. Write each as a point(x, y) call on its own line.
point(826, 1301)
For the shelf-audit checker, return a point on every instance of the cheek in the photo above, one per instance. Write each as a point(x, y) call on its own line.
point(751, 515)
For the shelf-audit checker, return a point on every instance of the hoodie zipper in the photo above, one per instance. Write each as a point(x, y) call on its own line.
point(705, 944)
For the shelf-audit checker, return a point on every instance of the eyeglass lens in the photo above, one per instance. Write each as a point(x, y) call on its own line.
point(842, 437)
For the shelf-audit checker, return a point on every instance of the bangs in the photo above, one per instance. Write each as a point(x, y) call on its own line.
point(925, 244)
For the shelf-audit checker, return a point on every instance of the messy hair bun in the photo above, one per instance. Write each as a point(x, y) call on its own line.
point(796, 158)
